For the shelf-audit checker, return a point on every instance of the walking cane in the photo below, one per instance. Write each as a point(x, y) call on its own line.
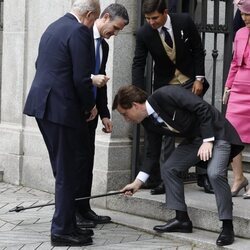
point(21, 208)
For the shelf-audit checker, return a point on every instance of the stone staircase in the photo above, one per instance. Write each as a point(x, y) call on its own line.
point(201, 208)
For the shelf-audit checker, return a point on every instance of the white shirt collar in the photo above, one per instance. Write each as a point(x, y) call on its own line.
point(76, 17)
point(96, 32)
point(149, 108)
point(167, 24)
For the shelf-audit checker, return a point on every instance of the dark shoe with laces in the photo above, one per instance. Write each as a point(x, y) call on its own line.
point(83, 222)
point(225, 238)
point(203, 181)
point(98, 219)
point(175, 225)
point(160, 189)
point(70, 240)
point(84, 232)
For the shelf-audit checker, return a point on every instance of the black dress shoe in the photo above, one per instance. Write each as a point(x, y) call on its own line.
point(203, 181)
point(226, 237)
point(70, 240)
point(98, 219)
point(85, 232)
point(175, 225)
point(84, 223)
point(160, 189)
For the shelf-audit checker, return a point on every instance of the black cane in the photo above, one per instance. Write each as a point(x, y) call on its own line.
point(21, 208)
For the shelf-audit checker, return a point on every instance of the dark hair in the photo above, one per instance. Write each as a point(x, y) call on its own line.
point(126, 95)
point(116, 10)
point(150, 6)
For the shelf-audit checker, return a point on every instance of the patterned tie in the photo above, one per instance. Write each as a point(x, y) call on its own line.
point(168, 38)
point(97, 60)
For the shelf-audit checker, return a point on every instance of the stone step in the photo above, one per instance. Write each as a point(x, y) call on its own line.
point(199, 238)
point(201, 208)
point(1, 175)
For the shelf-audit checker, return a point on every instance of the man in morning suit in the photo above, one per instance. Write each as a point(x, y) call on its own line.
point(61, 99)
point(175, 45)
point(208, 136)
point(112, 20)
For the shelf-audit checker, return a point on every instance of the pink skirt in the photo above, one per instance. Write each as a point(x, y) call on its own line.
point(238, 108)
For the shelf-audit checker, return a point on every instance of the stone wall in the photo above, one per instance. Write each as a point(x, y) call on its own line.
point(23, 155)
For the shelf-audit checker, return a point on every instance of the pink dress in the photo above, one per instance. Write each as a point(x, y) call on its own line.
point(238, 108)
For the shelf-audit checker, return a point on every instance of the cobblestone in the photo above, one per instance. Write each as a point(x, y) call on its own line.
point(30, 229)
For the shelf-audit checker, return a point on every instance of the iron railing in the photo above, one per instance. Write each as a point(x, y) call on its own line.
point(216, 26)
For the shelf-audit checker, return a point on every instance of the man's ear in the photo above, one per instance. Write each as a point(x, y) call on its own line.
point(136, 105)
point(165, 12)
point(106, 17)
point(88, 14)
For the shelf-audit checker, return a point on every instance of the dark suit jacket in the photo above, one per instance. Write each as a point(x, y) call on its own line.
point(62, 88)
point(101, 96)
point(191, 116)
point(189, 52)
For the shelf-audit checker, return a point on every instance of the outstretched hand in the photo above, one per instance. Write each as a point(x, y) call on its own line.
point(132, 188)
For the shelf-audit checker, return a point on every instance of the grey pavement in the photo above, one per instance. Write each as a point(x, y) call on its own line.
point(30, 229)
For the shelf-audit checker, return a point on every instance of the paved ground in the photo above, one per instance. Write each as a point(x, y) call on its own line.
point(30, 229)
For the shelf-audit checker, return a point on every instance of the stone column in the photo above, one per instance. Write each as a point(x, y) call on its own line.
point(112, 169)
point(23, 156)
point(13, 59)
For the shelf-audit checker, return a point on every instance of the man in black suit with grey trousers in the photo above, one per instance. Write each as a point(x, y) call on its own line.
point(208, 136)
point(178, 60)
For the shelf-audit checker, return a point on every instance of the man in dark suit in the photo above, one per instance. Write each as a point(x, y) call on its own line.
point(61, 99)
point(179, 63)
point(208, 136)
point(112, 20)
point(172, 5)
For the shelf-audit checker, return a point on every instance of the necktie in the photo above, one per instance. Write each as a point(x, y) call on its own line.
point(168, 38)
point(154, 119)
point(97, 60)
point(97, 55)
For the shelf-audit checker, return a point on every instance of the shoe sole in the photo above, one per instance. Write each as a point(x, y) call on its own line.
point(221, 245)
point(60, 244)
point(175, 230)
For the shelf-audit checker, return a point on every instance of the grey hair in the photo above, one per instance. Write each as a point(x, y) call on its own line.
point(116, 10)
point(83, 6)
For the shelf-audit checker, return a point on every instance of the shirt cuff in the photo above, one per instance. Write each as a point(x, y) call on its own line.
point(200, 78)
point(142, 176)
point(211, 139)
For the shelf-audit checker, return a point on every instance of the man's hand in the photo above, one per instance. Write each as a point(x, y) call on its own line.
point(93, 114)
point(133, 187)
point(197, 87)
point(99, 80)
point(107, 125)
point(225, 95)
point(205, 151)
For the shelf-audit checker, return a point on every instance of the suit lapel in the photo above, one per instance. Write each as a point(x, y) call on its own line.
point(169, 118)
point(157, 42)
point(104, 56)
point(178, 35)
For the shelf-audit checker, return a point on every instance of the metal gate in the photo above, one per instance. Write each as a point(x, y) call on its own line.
point(214, 20)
